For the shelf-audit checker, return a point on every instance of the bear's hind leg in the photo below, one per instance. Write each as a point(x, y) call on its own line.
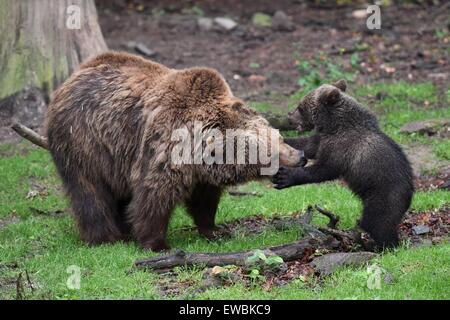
point(202, 206)
point(149, 213)
point(381, 218)
point(95, 211)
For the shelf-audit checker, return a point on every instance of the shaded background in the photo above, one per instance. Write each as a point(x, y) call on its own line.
point(261, 60)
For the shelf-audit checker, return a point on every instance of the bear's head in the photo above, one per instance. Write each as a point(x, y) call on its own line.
point(242, 145)
point(231, 143)
point(315, 104)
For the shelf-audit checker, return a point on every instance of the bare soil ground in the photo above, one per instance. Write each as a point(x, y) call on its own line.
point(407, 46)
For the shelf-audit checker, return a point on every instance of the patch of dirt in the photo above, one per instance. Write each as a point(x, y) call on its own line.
point(441, 181)
point(11, 219)
point(404, 48)
point(435, 225)
point(422, 159)
point(253, 225)
point(168, 285)
point(7, 280)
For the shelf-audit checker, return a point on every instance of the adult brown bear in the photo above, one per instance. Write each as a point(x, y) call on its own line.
point(110, 130)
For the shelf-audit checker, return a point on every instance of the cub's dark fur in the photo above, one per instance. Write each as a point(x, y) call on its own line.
point(348, 143)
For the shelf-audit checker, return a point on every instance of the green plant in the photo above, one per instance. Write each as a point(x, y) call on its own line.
point(260, 262)
point(254, 65)
point(255, 276)
point(441, 34)
point(322, 70)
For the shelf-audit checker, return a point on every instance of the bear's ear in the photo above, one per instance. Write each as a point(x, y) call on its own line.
point(328, 95)
point(236, 105)
point(239, 106)
point(341, 85)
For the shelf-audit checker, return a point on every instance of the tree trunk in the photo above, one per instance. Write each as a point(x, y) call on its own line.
point(41, 42)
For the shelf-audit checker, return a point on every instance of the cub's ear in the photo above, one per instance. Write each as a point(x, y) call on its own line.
point(341, 85)
point(328, 95)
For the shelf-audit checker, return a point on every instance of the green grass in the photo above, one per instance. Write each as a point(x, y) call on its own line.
point(47, 245)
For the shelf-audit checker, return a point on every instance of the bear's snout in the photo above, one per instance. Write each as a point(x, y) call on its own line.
point(291, 157)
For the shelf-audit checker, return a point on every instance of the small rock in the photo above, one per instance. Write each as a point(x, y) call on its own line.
point(140, 48)
point(131, 45)
point(328, 263)
point(205, 23)
point(426, 243)
point(217, 270)
point(210, 280)
point(225, 23)
point(388, 278)
point(386, 68)
point(260, 19)
point(359, 14)
point(438, 76)
point(282, 22)
point(421, 229)
point(32, 194)
point(429, 127)
point(143, 49)
point(256, 78)
point(445, 185)
point(436, 240)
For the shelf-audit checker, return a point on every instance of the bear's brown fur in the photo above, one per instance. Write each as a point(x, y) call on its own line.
point(109, 130)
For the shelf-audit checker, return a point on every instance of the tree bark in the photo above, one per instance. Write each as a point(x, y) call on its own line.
point(38, 45)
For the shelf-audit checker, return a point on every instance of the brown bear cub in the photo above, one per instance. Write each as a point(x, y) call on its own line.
point(349, 144)
point(110, 130)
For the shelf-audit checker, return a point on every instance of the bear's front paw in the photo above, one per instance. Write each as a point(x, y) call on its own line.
point(155, 246)
point(214, 233)
point(284, 178)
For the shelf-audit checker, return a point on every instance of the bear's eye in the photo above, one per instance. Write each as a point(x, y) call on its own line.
point(302, 112)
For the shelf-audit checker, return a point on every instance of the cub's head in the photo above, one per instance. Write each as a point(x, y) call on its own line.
point(305, 116)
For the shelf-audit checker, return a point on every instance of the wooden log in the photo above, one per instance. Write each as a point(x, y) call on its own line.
point(287, 252)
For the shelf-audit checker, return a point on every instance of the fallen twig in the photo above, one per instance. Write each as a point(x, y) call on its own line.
point(30, 284)
point(339, 234)
point(30, 135)
point(334, 219)
point(19, 287)
point(242, 193)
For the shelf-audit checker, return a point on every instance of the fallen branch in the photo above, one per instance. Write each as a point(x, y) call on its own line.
point(328, 238)
point(30, 135)
point(243, 194)
point(340, 234)
point(334, 219)
point(287, 252)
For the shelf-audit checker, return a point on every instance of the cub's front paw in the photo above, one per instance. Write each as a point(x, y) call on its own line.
point(284, 178)
point(303, 160)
